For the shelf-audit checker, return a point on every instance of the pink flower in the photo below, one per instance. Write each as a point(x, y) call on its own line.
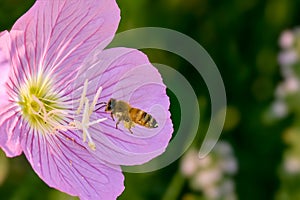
point(53, 73)
point(287, 39)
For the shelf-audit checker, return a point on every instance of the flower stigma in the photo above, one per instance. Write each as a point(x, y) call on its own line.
point(48, 112)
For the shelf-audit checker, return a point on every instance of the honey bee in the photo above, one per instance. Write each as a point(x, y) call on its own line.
point(129, 115)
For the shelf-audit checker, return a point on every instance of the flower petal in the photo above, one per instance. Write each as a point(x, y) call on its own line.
point(67, 166)
point(4, 66)
point(55, 36)
point(10, 125)
point(11, 128)
point(126, 74)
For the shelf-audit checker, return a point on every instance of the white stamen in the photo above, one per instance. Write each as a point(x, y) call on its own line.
point(82, 96)
point(56, 111)
point(92, 145)
point(90, 140)
point(86, 113)
point(95, 100)
point(84, 133)
point(97, 121)
point(85, 116)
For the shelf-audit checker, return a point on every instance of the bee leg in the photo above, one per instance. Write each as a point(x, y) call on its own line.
point(130, 130)
point(112, 116)
point(129, 126)
point(117, 123)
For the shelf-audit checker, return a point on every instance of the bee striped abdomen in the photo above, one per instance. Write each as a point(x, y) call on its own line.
point(142, 118)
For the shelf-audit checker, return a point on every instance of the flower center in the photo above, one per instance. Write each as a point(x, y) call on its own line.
point(46, 111)
point(40, 106)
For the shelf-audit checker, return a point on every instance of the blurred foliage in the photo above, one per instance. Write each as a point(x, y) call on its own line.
point(242, 38)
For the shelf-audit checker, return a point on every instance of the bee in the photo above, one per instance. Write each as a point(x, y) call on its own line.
point(129, 115)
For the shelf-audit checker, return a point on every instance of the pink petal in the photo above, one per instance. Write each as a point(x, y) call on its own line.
point(11, 128)
point(126, 74)
point(56, 36)
point(4, 66)
point(67, 166)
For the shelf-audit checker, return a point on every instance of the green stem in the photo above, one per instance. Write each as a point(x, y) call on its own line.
point(175, 187)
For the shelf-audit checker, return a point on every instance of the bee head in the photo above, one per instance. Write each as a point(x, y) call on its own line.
point(110, 105)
